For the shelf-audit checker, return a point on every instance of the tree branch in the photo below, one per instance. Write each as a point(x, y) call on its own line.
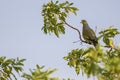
point(78, 32)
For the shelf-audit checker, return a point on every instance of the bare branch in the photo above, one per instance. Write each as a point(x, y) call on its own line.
point(78, 32)
point(76, 41)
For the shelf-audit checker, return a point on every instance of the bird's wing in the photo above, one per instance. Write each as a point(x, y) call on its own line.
point(92, 34)
point(89, 34)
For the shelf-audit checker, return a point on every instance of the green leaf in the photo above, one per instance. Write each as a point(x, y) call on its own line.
point(110, 32)
point(9, 65)
point(56, 2)
point(77, 69)
point(45, 29)
point(56, 32)
point(22, 60)
point(62, 29)
point(106, 40)
point(70, 4)
point(2, 59)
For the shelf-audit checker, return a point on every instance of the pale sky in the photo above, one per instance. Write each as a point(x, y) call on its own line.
point(21, 35)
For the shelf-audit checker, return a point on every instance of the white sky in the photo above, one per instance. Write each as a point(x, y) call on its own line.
point(21, 35)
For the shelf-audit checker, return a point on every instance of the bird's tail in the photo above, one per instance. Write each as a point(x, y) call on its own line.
point(95, 43)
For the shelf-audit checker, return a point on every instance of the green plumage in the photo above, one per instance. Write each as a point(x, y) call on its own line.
point(88, 34)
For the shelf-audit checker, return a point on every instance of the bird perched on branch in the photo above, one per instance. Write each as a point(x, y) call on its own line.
point(88, 34)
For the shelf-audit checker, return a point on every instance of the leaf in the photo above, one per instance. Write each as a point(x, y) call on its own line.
point(73, 10)
point(72, 62)
point(8, 61)
point(56, 2)
point(22, 60)
point(62, 29)
point(110, 32)
point(95, 55)
point(14, 76)
point(18, 69)
point(106, 40)
point(111, 43)
point(7, 69)
point(2, 59)
point(77, 69)
point(70, 4)
point(62, 18)
point(56, 32)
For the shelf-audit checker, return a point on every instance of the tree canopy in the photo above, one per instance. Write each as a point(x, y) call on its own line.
point(102, 61)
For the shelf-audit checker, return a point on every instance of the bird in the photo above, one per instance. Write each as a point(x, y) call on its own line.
point(88, 34)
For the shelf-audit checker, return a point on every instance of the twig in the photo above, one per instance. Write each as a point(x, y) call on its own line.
point(95, 29)
point(108, 46)
point(111, 48)
point(76, 41)
point(77, 31)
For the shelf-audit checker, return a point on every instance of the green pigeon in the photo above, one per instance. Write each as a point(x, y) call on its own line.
point(88, 34)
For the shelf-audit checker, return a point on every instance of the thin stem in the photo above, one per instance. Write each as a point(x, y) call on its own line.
point(77, 31)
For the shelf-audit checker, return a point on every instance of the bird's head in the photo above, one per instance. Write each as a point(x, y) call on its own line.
point(83, 22)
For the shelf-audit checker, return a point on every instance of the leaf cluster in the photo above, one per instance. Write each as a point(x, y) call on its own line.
point(7, 66)
point(83, 59)
point(107, 34)
point(101, 61)
point(40, 74)
point(54, 15)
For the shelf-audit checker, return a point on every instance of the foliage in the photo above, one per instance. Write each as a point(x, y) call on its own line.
point(54, 15)
point(107, 34)
point(102, 61)
point(7, 66)
point(40, 74)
